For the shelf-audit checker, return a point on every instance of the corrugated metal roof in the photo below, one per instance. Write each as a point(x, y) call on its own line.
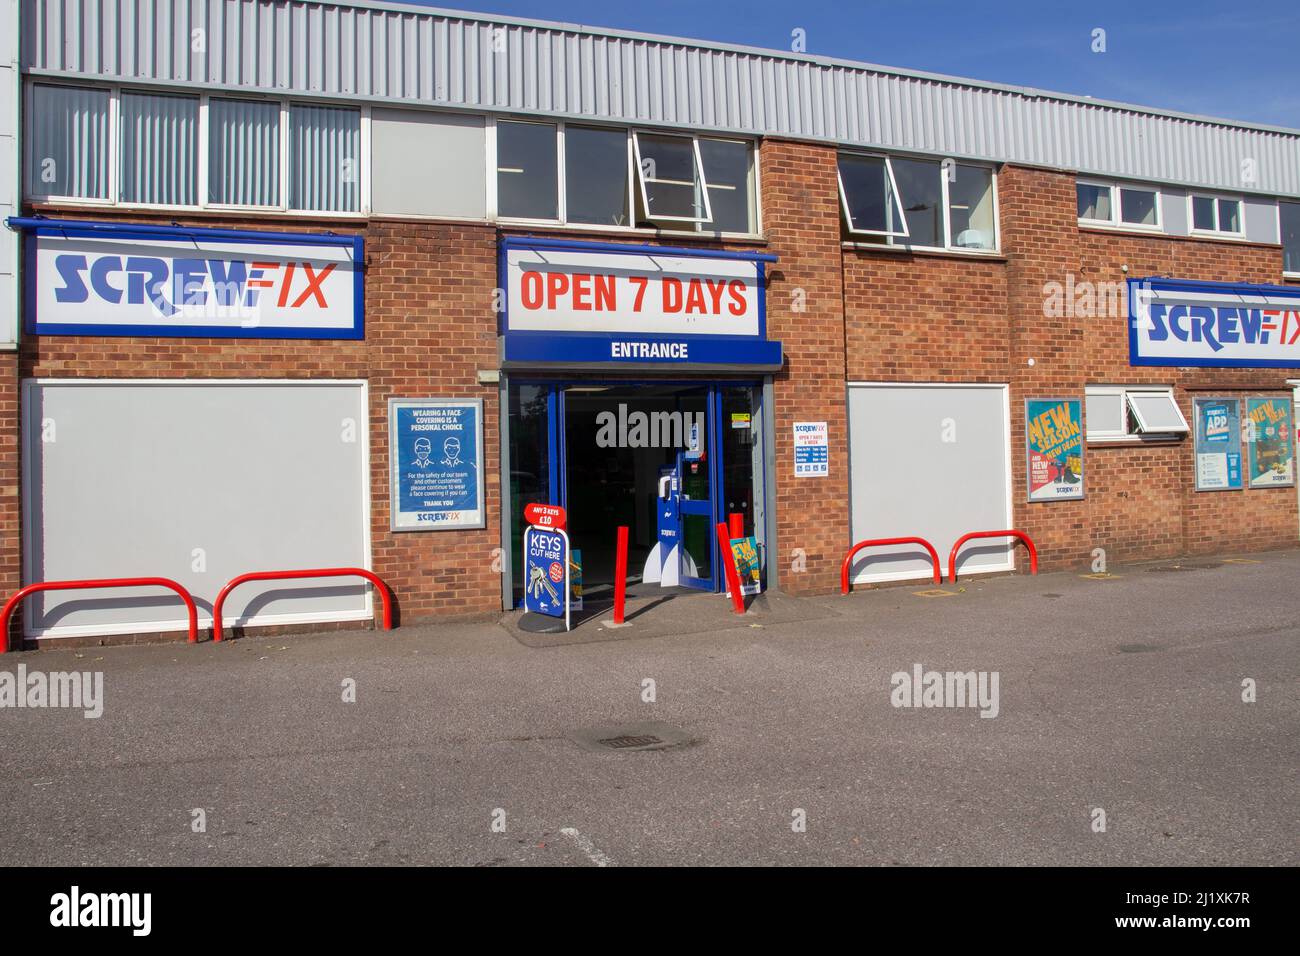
point(391, 53)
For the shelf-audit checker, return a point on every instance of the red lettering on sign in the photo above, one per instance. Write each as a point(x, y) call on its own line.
point(715, 292)
point(313, 284)
point(557, 283)
point(605, 293)
point(738, 302)
point(672, 294)
point(531, 290)
point(581, 292)
point(695, 298)
point(640, 282)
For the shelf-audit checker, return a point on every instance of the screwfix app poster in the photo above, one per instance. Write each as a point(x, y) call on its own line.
point(1218, 444)
point(1268, 441)
point(1054, 447)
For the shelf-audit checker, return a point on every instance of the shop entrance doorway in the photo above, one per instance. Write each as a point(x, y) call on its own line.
point(669, 460)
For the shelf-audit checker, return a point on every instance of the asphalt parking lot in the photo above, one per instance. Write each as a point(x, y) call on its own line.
point(470, 744)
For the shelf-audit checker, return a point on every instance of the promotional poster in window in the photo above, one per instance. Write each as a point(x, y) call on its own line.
point(1054, 448)
point(1218, 444)
point(1268, 437)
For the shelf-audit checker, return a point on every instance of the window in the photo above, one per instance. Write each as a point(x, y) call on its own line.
point(527, 170)
point(424, 163)
point(243, 153)
point(1134, 207)
point(920, 184)
point(869, 197)
point(727, 164)
point(1289, 219)
point(671, 178)
point(68, 147)
point(1139, 207)
point(138, 148)
point(918, 202)
point(1117, 413)
point(159, 139)
point(324, 158)
point(595, 176)
point(970, 207)
point(1216, 214)
point(1094, 202)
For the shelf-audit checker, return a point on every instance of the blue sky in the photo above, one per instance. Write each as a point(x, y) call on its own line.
point(1237, 60)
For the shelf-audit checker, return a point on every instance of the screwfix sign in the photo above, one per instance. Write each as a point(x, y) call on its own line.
point(1180, 322)
point(617, 304)
point(194, 283)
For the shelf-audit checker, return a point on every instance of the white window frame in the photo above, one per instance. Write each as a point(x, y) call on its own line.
point(699, 169)
point(1127, 407)
point(29, 173)
point(893, 196)
point(752, 187)
point(113, 201)
point(1216, 231)
point(1294, 273)
point(494, 169)
point(1116, 220)
point(946, 212)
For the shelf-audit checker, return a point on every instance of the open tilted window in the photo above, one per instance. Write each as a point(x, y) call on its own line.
point(670, 175)
point(1118, 413)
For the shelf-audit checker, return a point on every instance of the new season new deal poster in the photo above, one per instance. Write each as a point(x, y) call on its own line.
point(1054, 447)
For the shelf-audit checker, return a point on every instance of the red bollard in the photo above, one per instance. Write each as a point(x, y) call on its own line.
point(729, 565)
point(737, 524)
point(620, 574)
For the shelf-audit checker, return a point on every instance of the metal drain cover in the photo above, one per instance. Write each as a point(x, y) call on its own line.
point(629, 738)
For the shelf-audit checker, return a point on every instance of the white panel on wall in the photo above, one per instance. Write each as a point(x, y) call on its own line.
point(198, 481)
point(928, 461)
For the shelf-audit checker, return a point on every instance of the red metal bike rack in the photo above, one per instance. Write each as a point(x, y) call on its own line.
point(234, 582)
point(1008, 533)
point(14, 601)
point(874, 542)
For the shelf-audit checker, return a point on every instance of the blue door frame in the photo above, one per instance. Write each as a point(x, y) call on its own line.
point(557, 471)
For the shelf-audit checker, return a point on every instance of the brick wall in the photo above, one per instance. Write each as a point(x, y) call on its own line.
point(948, 318)
point(429, 327)
point(805, 311)
point(842, 313)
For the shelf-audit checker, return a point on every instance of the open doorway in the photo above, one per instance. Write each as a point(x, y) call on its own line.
point(669, 460)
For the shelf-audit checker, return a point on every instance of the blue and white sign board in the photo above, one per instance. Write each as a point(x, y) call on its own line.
point(1218, 444)
point(812, 456)
point(113, 279)
point(435, 451)
point(1181, 322)
point(546, 572)
point(614, 305)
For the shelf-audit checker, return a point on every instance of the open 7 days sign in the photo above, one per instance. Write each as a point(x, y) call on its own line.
point(615, 305)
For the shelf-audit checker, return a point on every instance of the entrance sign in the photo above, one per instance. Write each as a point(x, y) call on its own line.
point(1054, 448)
point(113, 279)
point(1218, 444)
point(435, 453)
point(811, 450)
point(1181, 322)
point(544, 516)
point(1268, 438)
point(615, 304)
point(546, 573)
